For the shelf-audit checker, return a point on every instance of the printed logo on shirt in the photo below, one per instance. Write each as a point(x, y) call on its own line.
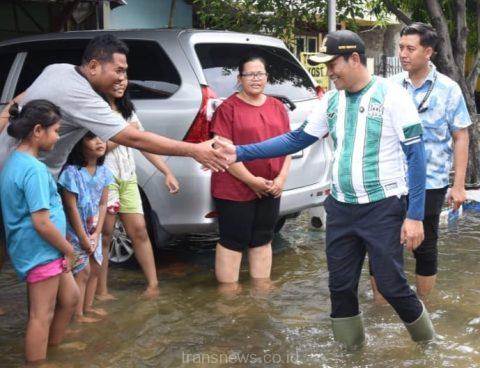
point(391, 186)
point(331, 115)
point(375, 110)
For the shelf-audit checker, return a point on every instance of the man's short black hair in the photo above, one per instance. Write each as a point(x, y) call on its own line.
point(103, 47)
point(428, 35)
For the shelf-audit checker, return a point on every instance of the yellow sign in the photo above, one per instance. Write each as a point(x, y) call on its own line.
point(318, 72)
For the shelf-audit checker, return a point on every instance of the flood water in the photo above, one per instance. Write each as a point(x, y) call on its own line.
point(193, 325)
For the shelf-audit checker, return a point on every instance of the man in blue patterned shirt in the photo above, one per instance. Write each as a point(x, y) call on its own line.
point(445, 119)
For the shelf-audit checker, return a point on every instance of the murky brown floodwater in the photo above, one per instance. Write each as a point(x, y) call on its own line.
point(192, 325)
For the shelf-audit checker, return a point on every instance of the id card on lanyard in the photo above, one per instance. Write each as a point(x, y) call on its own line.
point(421, 107)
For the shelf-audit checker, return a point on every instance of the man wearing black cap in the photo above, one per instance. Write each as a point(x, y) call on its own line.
point(376, 133)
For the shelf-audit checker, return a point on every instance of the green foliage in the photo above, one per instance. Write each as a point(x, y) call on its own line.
point(417, 11)
point(279, 18)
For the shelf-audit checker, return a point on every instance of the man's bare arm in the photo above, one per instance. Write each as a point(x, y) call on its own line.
point(154, 143)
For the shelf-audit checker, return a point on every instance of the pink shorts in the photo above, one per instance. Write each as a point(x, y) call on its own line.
point(45, 271)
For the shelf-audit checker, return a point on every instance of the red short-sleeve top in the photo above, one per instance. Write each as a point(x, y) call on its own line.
point(243, 123)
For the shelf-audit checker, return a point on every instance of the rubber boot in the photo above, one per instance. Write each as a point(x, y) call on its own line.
point(421, 329)
point(349, 331)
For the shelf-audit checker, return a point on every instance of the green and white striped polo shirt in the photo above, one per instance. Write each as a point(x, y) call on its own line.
point(367, 128)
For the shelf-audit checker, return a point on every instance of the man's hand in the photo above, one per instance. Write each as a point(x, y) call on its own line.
point(411, 235)
point(209, 157)
point(456, 196)
point(260, 186)
point(277, 186)
point(226, 149)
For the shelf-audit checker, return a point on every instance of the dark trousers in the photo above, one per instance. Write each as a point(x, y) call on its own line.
point(374, 228)
point(426, 255)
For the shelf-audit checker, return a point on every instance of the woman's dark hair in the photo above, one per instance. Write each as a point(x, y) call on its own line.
point(103, 47)
point(249, 58)
point(77, 158)
point(35, 112)
point(124, 104)
point(428, 35)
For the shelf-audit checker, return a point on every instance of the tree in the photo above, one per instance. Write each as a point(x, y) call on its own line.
point(457, 23)
point(279, 18)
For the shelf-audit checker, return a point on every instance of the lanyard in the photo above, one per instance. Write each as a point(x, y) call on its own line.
point(420, 107)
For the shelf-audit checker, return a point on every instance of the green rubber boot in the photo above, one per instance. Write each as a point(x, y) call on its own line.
point(349, 331)
point(421, 329)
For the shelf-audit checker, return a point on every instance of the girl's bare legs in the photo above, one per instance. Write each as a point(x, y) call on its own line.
point(82, 278)
point(67, 299)
point(102, 287)
point(42, 296)
point(137, 232)
point(91, 288)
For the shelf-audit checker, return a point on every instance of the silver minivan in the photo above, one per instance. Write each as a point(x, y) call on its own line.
point(177, 78)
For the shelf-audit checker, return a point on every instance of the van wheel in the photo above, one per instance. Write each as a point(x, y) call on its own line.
point(121, 248)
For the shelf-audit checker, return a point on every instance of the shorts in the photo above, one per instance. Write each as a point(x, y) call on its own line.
point(426, 254)
point(124, 197)
point(246, 224)
point(47, 270)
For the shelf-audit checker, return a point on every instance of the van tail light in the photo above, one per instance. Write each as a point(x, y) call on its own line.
point(320, 91)
point(326, 192)
point(212, 214)
point(200, 128)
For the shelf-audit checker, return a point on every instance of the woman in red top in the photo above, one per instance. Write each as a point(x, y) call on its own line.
point(247, 195)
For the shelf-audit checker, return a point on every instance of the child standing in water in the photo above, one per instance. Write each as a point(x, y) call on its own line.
point(124, 197)
point(35, 227)
point(84, 182)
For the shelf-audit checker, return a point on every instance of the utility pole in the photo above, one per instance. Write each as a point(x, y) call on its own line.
point(103, 14)
point(332, 16)
point(332, 24)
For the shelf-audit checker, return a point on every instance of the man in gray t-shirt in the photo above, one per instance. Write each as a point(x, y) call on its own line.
point(82, 110)
point(76, 91)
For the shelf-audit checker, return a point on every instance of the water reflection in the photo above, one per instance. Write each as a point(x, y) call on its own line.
point(193, 325)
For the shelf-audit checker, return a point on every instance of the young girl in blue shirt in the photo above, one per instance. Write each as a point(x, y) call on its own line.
point(35, 227)
point(84, 180)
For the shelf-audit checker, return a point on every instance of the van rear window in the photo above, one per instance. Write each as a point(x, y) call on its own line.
point(151, 73)
point(286, 76)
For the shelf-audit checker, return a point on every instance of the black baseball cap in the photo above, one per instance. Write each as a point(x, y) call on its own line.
point(337, 43)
